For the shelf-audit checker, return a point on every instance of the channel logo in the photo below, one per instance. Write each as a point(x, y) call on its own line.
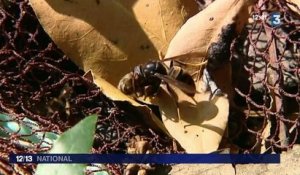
point(274, 18)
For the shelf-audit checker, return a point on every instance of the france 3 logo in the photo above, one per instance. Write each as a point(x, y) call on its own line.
point(273, 18)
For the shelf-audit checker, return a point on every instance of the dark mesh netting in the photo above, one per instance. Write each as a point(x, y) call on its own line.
point(42, 89)
point(266, 80)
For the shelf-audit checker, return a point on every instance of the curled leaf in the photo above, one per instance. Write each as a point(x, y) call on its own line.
point(203, 29)
point(111, 37)
point(198, 123)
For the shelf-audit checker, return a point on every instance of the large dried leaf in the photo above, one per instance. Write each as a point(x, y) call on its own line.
point(110, 37)
point(199, 123)
point(201, 30)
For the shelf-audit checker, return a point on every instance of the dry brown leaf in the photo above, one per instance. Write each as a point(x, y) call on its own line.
point(111, 37)
point(201, 124)
point(204, 28)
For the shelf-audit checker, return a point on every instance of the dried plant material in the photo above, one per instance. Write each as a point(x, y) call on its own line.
point(131, 169)
point(137, 145)
point(139, 169)
point(201, 123)
point(110, 37)
point(142, 172)
point(200, 31)
point(198, 124)
point(265, 134)
point(293, 7)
